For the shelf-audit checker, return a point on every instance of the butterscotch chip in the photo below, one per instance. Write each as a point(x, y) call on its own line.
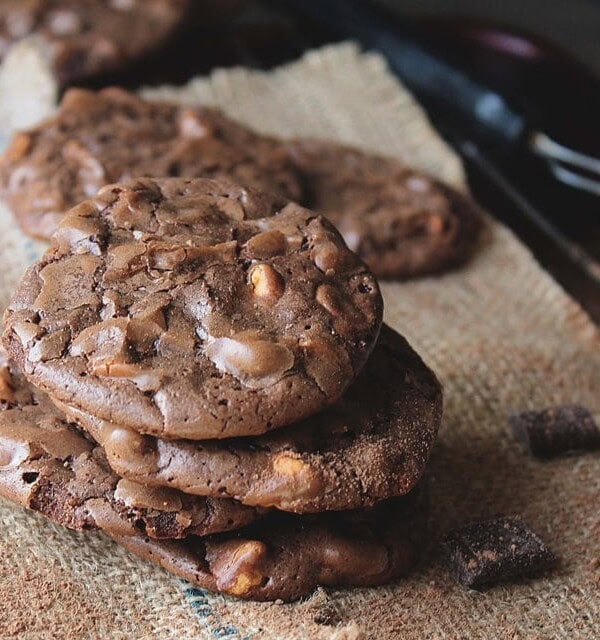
point(47, 465)
point(400, 221)
point(267, 282)
point(238, 566)
point(149, 311)
point(372, 444)
point(98, 138)
point(85, 37)
point(288, 465)
point(285, 557)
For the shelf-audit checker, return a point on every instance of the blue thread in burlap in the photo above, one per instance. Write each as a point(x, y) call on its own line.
point(200, 601)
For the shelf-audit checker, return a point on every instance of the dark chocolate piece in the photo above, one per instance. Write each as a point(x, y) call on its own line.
point(484, 554)
point(372, 444)
point(556, 430)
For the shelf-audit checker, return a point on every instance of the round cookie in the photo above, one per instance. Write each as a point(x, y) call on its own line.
point(47, 465)
point(284, 557)
point(173, 307)
point(399, 220)
point(97, 138)
point(372, 444)
point(83, 38)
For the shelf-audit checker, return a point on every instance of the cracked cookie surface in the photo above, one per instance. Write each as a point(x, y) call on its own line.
point(98, 138)
point(285, 557)
point(399, 220)
point(194, 309)
point(47, 465)
point(372, 444)
point(83, 38)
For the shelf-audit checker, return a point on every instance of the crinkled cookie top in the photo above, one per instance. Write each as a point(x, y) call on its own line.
point(194, 309)
point(101, 137)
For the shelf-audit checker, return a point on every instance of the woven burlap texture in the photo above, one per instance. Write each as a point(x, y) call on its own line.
point(500, 333)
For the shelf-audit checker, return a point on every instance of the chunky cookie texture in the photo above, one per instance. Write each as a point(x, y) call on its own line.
point(372, 444)
point(194, 309)
point(287, 556)
point(98, 138)
point(47, 465)
point(399, 220)
point(83, 38)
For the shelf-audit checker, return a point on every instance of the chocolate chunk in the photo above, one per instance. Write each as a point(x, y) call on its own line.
point(556, 430)
point(484, 554)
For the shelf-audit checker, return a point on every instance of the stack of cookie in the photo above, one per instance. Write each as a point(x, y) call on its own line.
point(200, 371)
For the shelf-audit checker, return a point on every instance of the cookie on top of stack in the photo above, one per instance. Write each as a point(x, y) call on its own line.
point(199, 370)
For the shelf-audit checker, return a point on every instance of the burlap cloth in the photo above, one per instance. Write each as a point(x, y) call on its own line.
point(500, 333)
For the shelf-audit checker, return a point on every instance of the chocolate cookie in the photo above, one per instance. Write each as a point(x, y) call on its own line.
point(47, 465)
point(284, 557)
point(99, 138)
point(373, 444)
point(399, 220)
point(175, 308)
point(83, 38)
